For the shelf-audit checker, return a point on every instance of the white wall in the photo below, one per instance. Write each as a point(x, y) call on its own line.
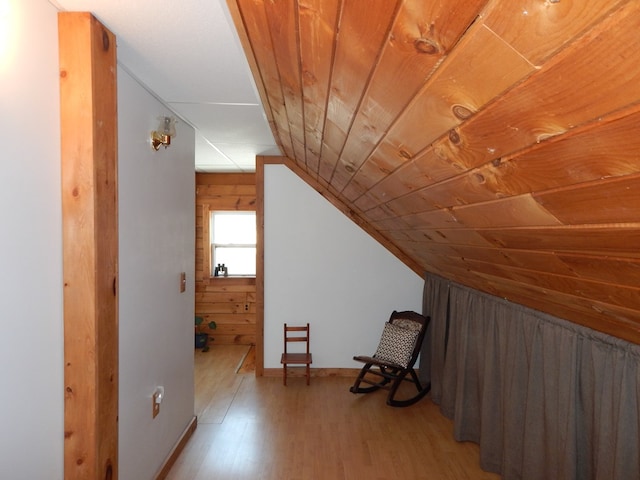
point(157, 242)
point(322, 268)
point(31, 335)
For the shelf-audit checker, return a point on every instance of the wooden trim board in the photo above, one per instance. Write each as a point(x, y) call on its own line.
point(315, 372)
point(177, 449)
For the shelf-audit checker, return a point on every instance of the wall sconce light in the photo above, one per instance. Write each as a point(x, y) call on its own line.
point(166, 130)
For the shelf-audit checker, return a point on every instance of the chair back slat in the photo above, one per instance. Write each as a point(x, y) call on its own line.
point(301, 333)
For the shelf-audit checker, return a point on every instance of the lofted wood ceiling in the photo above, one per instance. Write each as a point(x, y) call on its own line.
point(495, 143)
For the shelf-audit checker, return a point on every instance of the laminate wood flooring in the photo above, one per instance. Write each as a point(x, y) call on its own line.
point(256, 428)
point(216, 381)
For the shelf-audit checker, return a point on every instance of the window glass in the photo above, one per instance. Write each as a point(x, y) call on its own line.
point(233, 243)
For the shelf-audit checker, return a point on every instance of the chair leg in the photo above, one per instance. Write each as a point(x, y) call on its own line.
point(284, 374)
point(394, 388)
point(422, 390)
point(308, 373)
point(366, 369)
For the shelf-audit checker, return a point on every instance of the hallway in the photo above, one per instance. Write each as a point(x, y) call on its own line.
point(255, 428)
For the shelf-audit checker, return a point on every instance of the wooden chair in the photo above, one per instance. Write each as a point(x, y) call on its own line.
point(296, 334)
point(392, 364)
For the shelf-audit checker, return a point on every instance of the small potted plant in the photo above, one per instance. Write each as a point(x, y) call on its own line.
point(202, 337)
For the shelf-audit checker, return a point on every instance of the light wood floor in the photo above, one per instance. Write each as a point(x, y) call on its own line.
point(256, 428)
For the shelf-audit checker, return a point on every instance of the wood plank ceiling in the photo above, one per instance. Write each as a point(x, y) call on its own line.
point(493, 142)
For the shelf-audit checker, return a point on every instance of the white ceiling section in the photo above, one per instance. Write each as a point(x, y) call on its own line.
point(188, 54)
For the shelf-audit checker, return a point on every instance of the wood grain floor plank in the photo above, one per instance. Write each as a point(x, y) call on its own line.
point(320, 431)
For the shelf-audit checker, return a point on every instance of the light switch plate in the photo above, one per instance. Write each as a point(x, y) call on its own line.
point(156, 406)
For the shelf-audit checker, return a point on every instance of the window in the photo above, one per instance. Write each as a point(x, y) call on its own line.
point(233, 243)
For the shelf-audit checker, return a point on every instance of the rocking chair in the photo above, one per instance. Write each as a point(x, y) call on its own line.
point(392, 364)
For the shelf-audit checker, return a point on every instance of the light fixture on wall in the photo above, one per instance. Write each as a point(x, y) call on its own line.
point(7, 27)
point(166, 130)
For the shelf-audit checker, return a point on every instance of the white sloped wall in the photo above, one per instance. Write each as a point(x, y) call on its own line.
point(322, 268)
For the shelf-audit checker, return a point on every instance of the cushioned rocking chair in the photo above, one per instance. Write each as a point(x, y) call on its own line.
point(392, 364)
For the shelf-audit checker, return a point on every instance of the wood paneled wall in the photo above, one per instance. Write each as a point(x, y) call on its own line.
point(230, 302)
point(491, 142)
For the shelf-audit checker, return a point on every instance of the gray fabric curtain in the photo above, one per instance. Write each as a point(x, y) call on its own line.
point(544, 398)
point(436, 305)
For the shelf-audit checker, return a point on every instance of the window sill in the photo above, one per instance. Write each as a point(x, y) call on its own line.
point(234, 280)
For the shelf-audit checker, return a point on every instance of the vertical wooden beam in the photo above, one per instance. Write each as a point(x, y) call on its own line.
point(260, 161)
point(90, 246)
point(206, 244)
